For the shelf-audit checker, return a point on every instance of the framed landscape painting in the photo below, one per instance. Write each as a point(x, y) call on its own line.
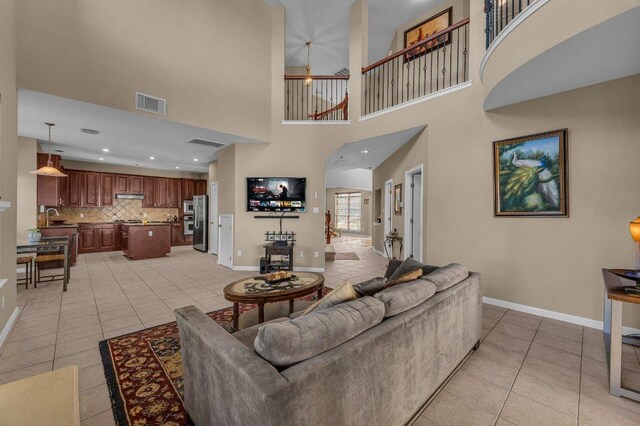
point(426, 29)
point(530, 175)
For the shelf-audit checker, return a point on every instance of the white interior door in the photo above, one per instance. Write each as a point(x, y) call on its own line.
point(213, 219)
point(225, 239)
point(416, 216)
point(413, 207)
point(388, 207)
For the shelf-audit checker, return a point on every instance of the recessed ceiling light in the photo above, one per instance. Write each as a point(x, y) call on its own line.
point(195, 159)
point(365, 151)
point(177, 167)
point(105, 149)
point(152, 158)
point(101, 159)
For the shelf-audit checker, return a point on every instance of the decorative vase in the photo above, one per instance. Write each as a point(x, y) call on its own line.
point(34, 236)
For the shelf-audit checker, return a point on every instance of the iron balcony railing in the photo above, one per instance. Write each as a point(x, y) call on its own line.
point(430, 65)
point(499, 13)
point(325, 98)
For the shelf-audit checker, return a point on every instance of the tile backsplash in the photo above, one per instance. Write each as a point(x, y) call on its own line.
point(121, 210)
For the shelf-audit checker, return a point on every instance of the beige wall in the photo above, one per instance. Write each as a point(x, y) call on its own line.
point(8, 155)
point(549, 263)
point(141, 171)
point(27, 203)
point(208, 58)
point(365, 208)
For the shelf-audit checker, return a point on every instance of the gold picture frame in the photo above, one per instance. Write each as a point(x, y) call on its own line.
point(397, 199)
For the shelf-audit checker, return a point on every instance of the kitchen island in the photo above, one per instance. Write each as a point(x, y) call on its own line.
point(146, 241)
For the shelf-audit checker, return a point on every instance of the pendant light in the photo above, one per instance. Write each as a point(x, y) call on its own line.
point(308, 79)
point(49, 170)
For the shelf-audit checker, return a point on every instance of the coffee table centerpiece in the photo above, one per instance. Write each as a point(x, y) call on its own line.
point(260, 291)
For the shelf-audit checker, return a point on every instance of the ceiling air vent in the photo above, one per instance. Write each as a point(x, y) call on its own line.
point(342, 72)
point(204, 142)
point(151, 104)
point(90, 131)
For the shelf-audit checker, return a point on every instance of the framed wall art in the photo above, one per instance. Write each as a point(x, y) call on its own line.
point(530, 175)
point(426, 29)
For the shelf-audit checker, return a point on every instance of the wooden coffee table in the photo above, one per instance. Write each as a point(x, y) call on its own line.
point(256, 290)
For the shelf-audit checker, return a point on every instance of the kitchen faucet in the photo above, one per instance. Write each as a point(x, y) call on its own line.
point(47, 214)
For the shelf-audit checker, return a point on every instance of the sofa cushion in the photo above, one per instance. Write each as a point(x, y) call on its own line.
point(409, 270)
point(248, 335)
point(405, 296)
point(343, 293)
point(288, 342)
point(370, 287)
point(447, 276)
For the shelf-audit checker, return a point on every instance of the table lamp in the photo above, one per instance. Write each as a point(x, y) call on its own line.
point(634, 228)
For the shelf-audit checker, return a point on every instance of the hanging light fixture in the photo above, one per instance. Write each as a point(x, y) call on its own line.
point(49, 170)
point(308, 79)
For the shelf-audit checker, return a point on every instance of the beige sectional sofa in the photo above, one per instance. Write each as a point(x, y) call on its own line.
point(382, 376)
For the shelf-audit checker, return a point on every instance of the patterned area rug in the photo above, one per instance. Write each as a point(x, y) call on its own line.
point(144, 372)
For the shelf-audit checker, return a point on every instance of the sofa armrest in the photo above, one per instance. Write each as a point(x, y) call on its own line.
point(224, 381)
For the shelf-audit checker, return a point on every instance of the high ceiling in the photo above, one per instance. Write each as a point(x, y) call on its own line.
point(130, 138)
point(326, 24)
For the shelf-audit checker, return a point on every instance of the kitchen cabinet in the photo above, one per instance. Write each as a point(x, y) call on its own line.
point(200, 187)
point(149, 192)
point(107, 183)
point(64, 231)
point(96, 237)
point(74, 188)
point(118, 230)
point(174, 198)
point(162, 192)
point(146, 241)
point(177, 233)
point(187, 189)
point(91, 189)
point(127, 184)
point(49, 189)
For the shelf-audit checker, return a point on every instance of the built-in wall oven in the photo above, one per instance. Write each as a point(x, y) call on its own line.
point(187, 208)
point(188, 225)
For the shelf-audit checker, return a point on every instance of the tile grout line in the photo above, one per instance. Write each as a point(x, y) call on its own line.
point(580, 380)
point(518, 373)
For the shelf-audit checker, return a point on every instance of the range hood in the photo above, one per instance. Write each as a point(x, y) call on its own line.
point(129, 196)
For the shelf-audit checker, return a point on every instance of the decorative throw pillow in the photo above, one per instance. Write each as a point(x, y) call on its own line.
point(447, 276)
point(370, 287)
point(427, 269)
point(391, 267)
point(343, 293)
point(408, 270)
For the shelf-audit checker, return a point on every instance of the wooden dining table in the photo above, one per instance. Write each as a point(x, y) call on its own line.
point(50, 245)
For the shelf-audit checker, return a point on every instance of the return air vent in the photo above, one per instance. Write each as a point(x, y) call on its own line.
point(204, 142)
point(342, 73)
point(151, 104)
point(90, 131)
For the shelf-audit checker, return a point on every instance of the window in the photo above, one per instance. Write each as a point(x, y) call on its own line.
point(349, 211)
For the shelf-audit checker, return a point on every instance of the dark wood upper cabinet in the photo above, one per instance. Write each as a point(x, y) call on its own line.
point(107, 183)
point(122, 184)
point(74, 188)
point(200, 187)
point(91, 189)
point(162, 192)
point(173, 197)
point(187, 189)
point(49, 189)
point(149, 192)
point(135, 184)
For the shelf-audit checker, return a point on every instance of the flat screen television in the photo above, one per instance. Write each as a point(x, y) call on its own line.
point(275, 194)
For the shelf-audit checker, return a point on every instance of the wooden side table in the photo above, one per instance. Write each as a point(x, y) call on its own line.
point(614, 296)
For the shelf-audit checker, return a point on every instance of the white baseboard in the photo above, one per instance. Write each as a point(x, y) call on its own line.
point(376, 251)
point(246, 268)
point(9, 325)
point(573, 319)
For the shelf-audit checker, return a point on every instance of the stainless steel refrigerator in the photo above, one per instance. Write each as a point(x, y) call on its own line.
point(200, 220)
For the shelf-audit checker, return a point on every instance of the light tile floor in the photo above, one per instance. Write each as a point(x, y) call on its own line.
point(528, 370)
